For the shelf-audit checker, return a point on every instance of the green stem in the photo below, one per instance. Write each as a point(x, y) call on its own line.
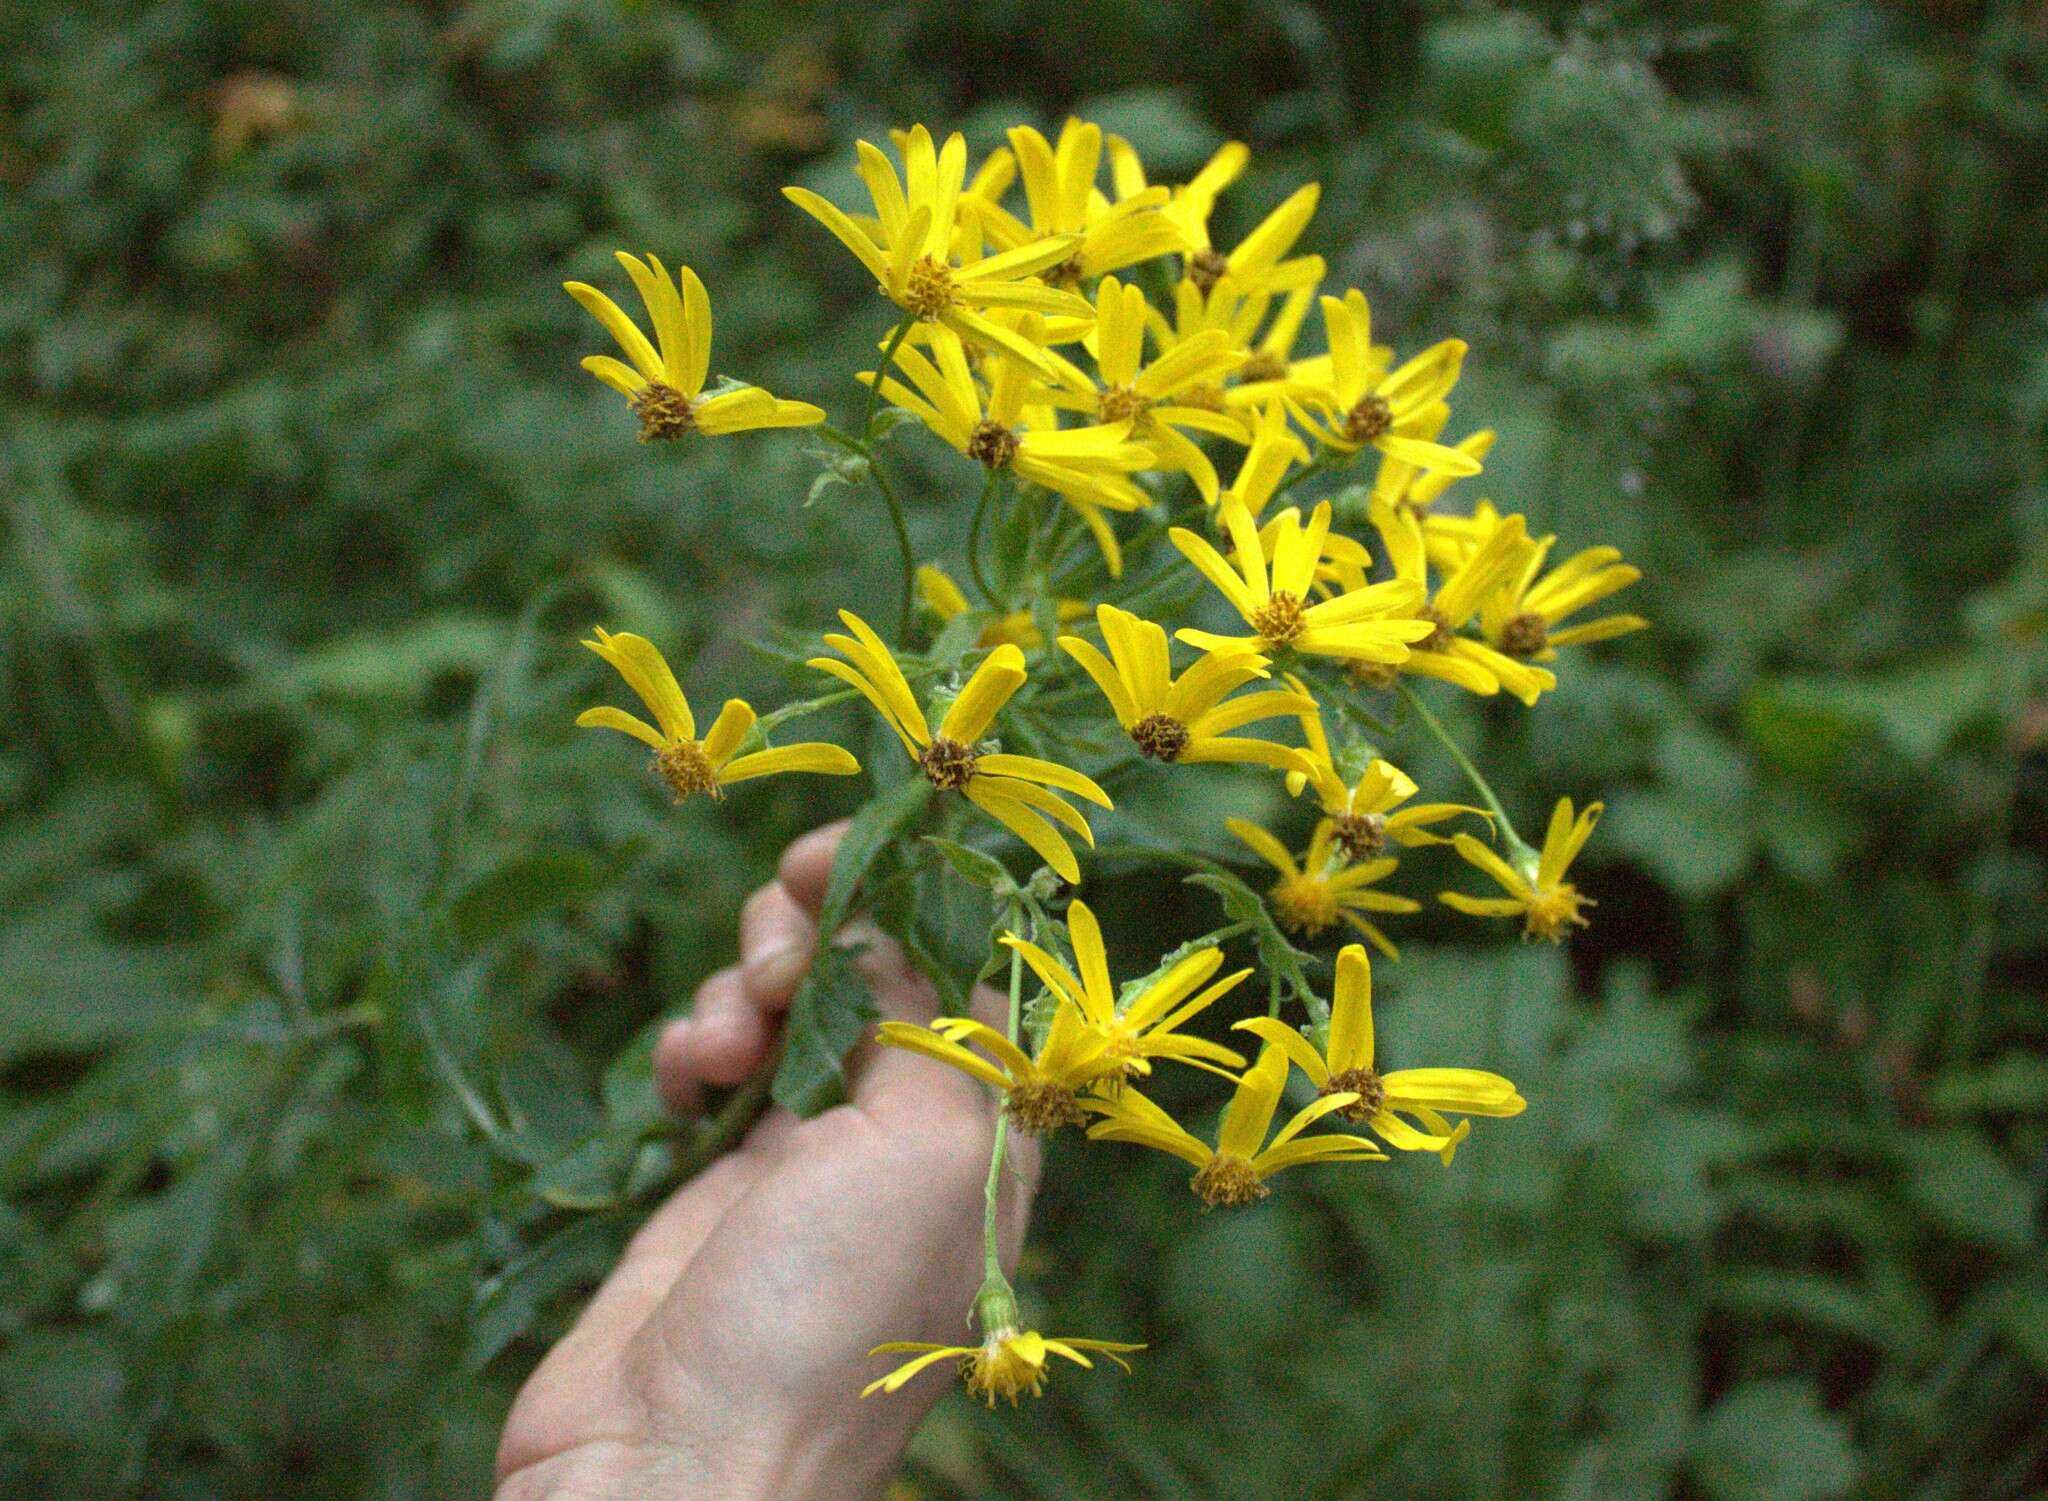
point(997, 1301)
point(988, 494)
point(867, 417)
point(802, 706)
point(1518, 847)
point(902, 526)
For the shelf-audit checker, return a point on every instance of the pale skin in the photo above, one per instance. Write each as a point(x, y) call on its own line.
point(723, 1357)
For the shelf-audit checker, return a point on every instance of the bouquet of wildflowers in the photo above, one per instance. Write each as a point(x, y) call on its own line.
point(1136, 403)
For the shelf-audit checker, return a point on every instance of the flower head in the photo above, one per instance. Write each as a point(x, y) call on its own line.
point(1403, 483)
point(1018, 628)
point(1188, 719)
point(1009, 1363)
point(1548, 904)
point(1345, 1065)
point(1013, 790)
point(1061, 199)
point(1234, 1170)
point(665, 383)
point(687, 764)
point(1521, 617)
point(1366, 405)
point(1313, 896)
point(1361, 815)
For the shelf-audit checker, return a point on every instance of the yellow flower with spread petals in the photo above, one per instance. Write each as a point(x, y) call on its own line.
point(1311, 897)
point(1259, 262)
point(1270, 587)
point(910, 248)
point(1521, 618)
point(1273, 450)
point(1148, 397)
point(1085, 466)
point(1366, 405)
point(1361, 816)
point(1188, 206)
point(1187, 720)
point(1345, 1065)
point(1271, 370)
point(1235, 1170)
point(1009, 1363)
point(1019, 628)
point(665, 384)
point(1011, 789)
point(1062, 199)
point(1548, 904)
point(687, 764)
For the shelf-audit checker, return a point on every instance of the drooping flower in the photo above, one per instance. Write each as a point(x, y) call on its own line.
point(1085, 466)
point(1366, 405)
point(1009, 1363)
point(1548, 904)
point(1345, 1064)
point(1270, 587)
point(1013, 790)
point(1234, 1171)
point(665, 384)
point(1361, 816)
point(1187, 720)
point(687, 764)
point(1313, 896)
point(1061, 198)
point(1018, 628)
point(910, 249)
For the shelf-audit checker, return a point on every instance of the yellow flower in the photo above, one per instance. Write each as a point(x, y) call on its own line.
point(1189, 205)
point(1256, 264)
point(1345, 1065)
point(1548, 904)
point(1367, 405)
point(910, 248)
point(1040, 1094)
point(1062, 200)
point(1477, 577)
point(1009, 1363)
point(1520, 619)
point(1274, 449)
point(1371, 624)
point(1360, 817)
point(1147, 396)
point(1084, 465)
point(665, 385)
point(1235, 1170)
point(686, 763)
point(1271, 370)
point(1402, 483)
point(1312, 897)
point(1010, 789)
point(1018, 628)
point(1187, 720)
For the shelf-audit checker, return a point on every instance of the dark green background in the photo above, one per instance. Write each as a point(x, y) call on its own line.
point(306, 503)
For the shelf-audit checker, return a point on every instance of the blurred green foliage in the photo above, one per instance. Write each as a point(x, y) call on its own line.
point(330, 951)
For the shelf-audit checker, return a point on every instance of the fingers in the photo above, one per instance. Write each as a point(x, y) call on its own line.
point(807, 865)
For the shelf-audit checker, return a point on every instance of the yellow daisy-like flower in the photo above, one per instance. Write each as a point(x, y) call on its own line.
point(1345, 1066)
point(1188, 207)
point(910, 250)
point(1476, 578)
point(1235, 1170)
point(1521, 618)
point(665, 385)
point(1009, 1363)
point(1366, 405)
point(1188, 720)
point(1062, 199)
point(1361, 816)
point(687, 764)
point(1018, 628)
point(1013, 790)
point(1311, 897)
point(1258, 263)
point(1273, 450)
point(1086, 466)
point(1272, 370)
point(1270, 587)
point(1148, 396)
point(1548, 904)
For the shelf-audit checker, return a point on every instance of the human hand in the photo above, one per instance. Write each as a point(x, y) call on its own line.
point(724, 1355)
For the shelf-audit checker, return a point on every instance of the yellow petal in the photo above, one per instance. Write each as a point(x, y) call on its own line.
point(810, 755)
point(1000, 675)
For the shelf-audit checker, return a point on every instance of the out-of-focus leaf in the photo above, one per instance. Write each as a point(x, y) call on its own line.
point(1960, 1180)
point(1772, 1441)
point(523, 888)
point(507, 1304)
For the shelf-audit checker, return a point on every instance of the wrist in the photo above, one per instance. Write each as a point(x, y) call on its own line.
point(741, 1467)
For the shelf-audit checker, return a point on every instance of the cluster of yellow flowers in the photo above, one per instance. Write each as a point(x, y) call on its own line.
point(1091, 348)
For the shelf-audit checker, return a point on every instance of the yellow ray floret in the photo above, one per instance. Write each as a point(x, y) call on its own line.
point(1273, 450)
point(665, 380)
point(1322, 889)
point(1018, 792)
point(1270, 587)
point(1235, 1169)
point(1186, 719)
point(1062, 199)
point(690, 765)
point(1548, 904)
point(1009, 1363)
point(1345, 1064)
point(1366, 405)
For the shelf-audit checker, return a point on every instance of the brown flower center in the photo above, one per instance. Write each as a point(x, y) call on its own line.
point(1160, 737)
point(1524, 636)
point(1364, 1083)
point(948, 764)
point(686, 769)
point(927, 290)
point(664, 413)
point(1438, 640)
point(1069, 271)
point(993, 445)
point(1370, 417)
point(1278, 621)
point(1205, 269)
point(1263, 365)
point(1122, 404)
point(1380, 675)
point(1228, 1181)
point(1208, 398)
point(1360, 835)
point(1042, 1108)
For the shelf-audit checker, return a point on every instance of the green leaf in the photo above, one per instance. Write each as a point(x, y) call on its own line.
point(2017, 1081)
point(1772, 1441)
point(1966, 1187)
point(521, 889)
point(507, 1304)
point(592, 1175)
point(982, 870)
